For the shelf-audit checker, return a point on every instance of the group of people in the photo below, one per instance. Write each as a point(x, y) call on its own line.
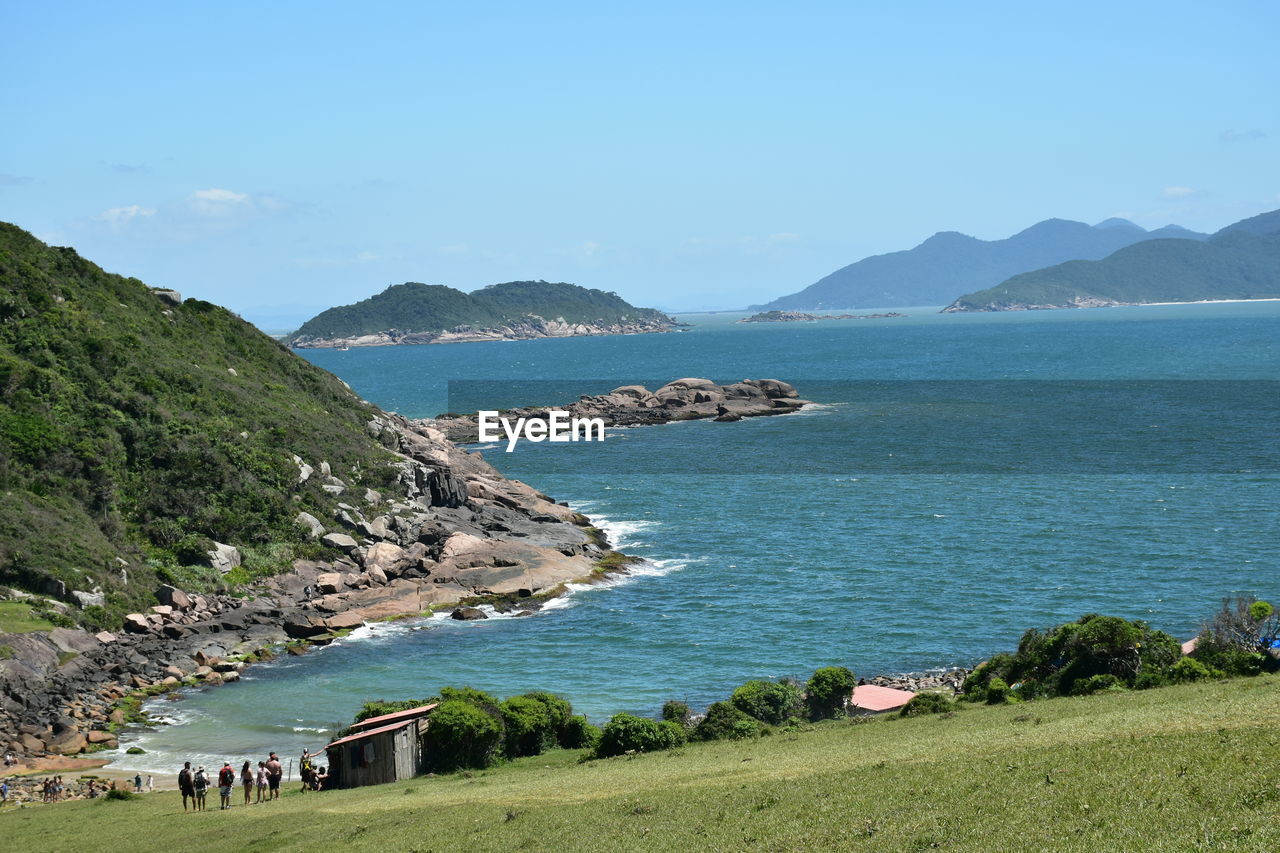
point(264, 779)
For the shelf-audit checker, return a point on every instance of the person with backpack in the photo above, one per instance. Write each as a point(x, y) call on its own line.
point(186, 785)
point(226, 784)
point(201, 784)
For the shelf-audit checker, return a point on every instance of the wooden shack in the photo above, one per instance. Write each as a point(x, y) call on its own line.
point(381, 749)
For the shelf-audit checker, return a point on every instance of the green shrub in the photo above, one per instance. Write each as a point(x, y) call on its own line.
point(725, 721)
point(1260, 610)
point(927, 703)
point(999, 693)
point(828, 691)
point(1096, 684)
point(770, 702)
point(1051, 662)
point(579, 734)
point(676, 712)
point(464, 734)
point(1190, 669)
point(120, 794)
point(627, 733)
point(530, 728)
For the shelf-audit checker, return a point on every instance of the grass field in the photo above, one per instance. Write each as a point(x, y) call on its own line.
point(1195, 767)
point(16, 618)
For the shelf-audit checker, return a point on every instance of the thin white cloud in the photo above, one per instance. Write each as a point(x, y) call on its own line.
point(455, 249)
point(217, 202)
point(365, 257)
point(1177, 192)
point(1240, 136)
point(121, 216)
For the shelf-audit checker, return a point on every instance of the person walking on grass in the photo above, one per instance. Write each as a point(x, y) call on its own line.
point(149, 784)
point(226, 784)
point(246, 782)
point(262, 781)
point(186, 785)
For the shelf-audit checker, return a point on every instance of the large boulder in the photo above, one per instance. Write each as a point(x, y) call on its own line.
point(341, 541)
point(89, 599)
point(386, 557)
point(467, 614)
point(136, 623)
point(174, 597)
point(329, 583)
point(314, 528)
point(224, 558)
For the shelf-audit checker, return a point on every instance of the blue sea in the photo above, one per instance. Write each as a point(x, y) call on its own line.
point(930, 508)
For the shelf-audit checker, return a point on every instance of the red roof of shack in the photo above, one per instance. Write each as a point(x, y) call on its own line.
point(370, 733)
point(398, 716)
point(872, 697)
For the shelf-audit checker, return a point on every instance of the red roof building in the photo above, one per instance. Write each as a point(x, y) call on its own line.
point(874, 699)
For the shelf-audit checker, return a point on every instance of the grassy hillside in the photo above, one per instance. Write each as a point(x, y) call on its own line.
point(1195, 767)
point(1242, 261)
point(133, 431)
point(414, 307)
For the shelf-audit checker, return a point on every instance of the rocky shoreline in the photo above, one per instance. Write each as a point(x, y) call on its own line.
point(527, 328)
point(635, 405)
point(458, 533)
point(802, 317)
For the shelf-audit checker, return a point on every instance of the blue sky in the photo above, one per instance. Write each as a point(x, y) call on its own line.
point(280, 157)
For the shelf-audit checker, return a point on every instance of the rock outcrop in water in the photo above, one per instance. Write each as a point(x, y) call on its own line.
point(635, 405)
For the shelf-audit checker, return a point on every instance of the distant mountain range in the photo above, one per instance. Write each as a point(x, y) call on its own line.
point(1242, 261)
point(414, 313)
point(949, 263)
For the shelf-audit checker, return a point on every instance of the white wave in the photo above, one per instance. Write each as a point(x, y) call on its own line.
point(812, 409)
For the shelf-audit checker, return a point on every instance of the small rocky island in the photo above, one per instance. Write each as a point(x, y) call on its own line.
point(635, 405)
point(802, 317)
point(414, 313)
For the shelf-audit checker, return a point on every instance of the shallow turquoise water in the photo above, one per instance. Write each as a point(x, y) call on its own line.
point(783, 551)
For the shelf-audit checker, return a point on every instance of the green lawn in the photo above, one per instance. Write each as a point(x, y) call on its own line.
point(1195, 767)
point(16, 618)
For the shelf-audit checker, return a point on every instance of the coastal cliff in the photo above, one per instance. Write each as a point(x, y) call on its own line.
point(179, 492)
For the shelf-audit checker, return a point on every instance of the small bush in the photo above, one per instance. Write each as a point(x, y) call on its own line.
point(725, 721)
point(628, 733)
point(770, 702)
point(120, 794)
point(1190, 669)
point(464, 734)
point(530, 728)
point(677, 712)
point(579, 734)
point(999, 693)
point(927, 703)
point(1096, 684)
point(828, 692)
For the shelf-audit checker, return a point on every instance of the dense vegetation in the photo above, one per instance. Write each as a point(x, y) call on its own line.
point(413, 307)
point(134, 433)
point(949, 263)
point(1190, 767)
point(471, 729)
point(1242, 261)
